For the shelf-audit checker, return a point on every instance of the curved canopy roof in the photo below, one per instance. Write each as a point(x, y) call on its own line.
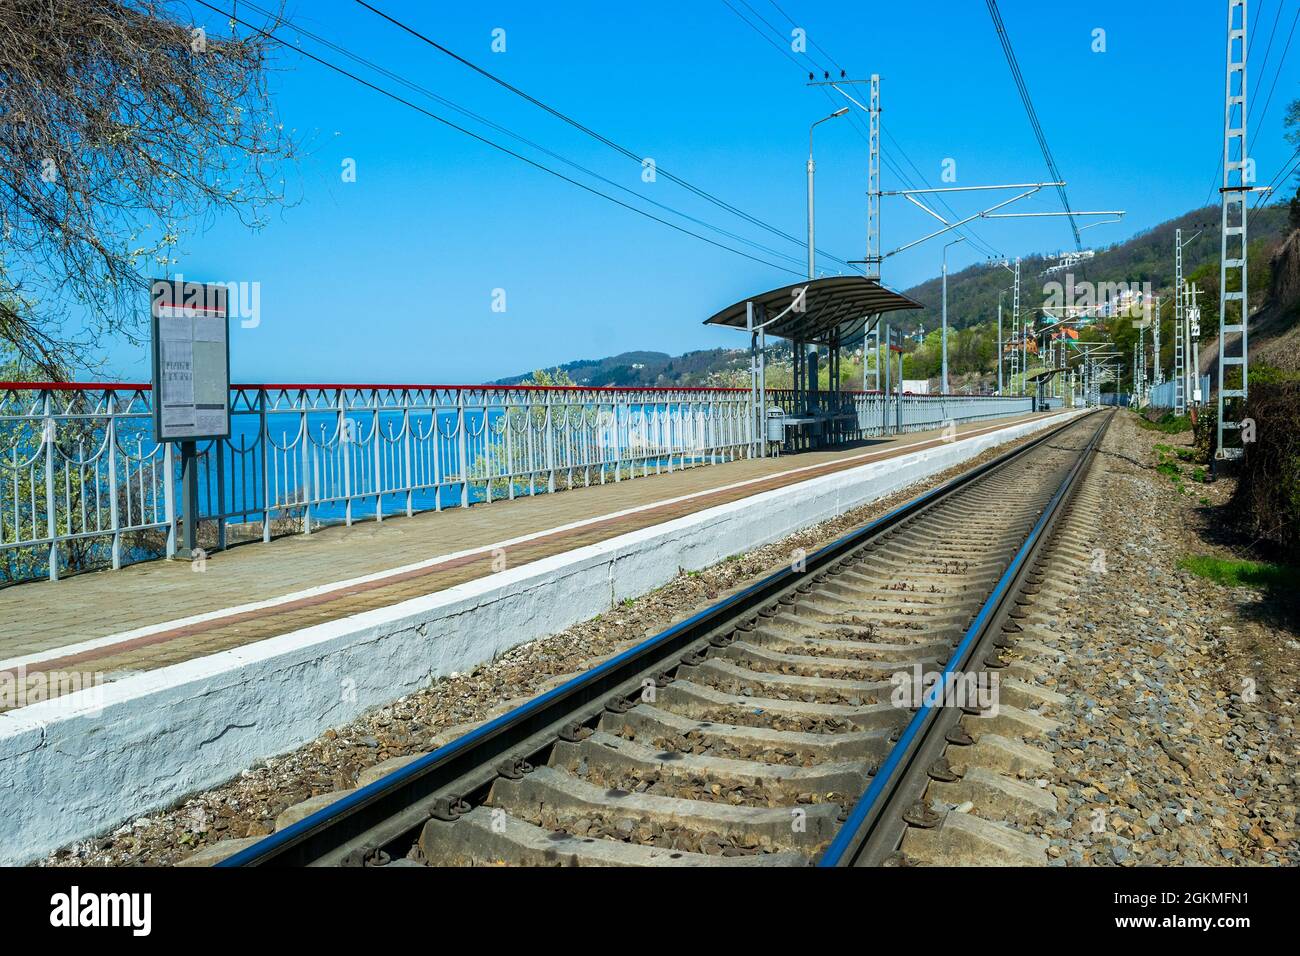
point(835, 304)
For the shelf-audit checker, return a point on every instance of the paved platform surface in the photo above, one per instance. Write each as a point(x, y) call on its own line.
point(158, 613)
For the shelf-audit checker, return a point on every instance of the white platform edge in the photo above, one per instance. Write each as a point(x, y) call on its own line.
point(82, 764)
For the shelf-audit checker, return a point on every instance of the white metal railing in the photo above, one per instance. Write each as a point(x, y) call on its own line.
point(869, 414)
point(920, 412)
point(83, 483)
point(79, 470)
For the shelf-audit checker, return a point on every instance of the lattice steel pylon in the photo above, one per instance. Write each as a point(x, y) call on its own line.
point(1024, 356)
point(873, 262)
point(1180, 354)
point(1140, 366)
point(1157, 373)
point(1237, 177)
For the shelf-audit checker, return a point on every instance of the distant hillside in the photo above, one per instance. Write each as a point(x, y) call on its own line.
point(1275, 330)
point(643, 369)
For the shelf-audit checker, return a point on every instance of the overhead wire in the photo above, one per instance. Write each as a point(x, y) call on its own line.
point(589, 131)
point(856, 121)
point(1284, 172)
point(425, 91)
point(485, 140)
point(974, 237)
point(1281, 63)
point(1018, 77)
point(1263, 67)
point(1218, 167)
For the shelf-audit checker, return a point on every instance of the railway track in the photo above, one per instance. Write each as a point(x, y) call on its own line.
point(783, 725)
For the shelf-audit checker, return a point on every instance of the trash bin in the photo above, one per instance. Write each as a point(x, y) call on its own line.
point(776, 425)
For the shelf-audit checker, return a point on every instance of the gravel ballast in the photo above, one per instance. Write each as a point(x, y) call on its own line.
point(1178, 742)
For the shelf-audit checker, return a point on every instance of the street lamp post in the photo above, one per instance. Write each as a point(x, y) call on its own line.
point(943, 384)
point(999, 348)
point(811, 348)
point(811, 168)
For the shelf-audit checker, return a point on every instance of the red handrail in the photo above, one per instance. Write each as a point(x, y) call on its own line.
point(74, 386)
point(146, 386)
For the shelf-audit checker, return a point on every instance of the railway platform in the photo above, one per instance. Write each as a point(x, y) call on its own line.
point(158, 613)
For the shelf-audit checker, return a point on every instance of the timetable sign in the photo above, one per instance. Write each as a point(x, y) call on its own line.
point(191, 361)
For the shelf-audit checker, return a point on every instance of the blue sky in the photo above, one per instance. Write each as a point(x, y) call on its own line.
point(391, 278)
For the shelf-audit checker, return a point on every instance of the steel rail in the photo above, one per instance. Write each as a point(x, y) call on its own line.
point(875, 824)
point(375, 818)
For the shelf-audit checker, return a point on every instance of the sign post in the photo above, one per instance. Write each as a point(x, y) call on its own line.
point(191, 379)
point(190, 496)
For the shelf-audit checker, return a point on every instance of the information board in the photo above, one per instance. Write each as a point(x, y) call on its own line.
point(191, 361)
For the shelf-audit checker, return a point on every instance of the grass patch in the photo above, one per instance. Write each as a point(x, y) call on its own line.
point(1167, 464)
point(1260, 575)
point(1169, 423)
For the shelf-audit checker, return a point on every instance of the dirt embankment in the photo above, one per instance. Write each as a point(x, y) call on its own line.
point(1275, 326)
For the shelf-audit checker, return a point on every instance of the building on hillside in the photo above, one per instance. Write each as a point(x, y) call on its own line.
point(1068, 261)
point(1031, 345)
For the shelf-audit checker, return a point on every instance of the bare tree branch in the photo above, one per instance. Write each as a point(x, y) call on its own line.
point(120, 121)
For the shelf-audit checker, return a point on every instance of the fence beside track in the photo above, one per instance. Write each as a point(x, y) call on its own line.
point(83, 484)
